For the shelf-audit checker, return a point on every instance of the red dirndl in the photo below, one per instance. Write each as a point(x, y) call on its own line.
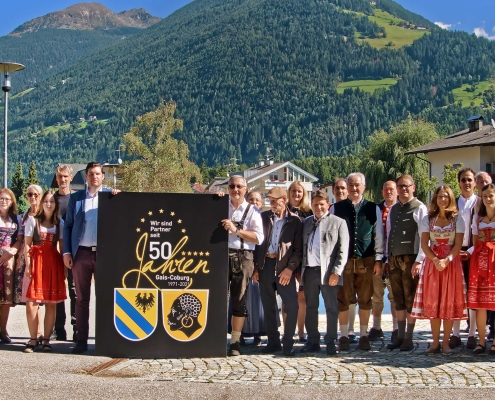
point(48, 276)
point(441, 294)
point(481, 293)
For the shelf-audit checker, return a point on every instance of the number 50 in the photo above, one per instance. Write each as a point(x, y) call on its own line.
point(156, 250)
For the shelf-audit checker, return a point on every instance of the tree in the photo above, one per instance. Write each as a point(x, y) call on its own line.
point(32, 178)
point(19, 188)
point(385, 158)
point(450, 178)
point(159, 162)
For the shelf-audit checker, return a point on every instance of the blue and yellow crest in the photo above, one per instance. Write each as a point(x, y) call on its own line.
point(136, 312)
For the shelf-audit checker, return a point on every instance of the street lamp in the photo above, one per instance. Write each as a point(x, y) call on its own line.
point(7, 68)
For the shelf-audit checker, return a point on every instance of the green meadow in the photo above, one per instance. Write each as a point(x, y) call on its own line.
point(366, 85)
point(466, 96)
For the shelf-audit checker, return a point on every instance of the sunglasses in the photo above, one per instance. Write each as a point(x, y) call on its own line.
point(464, 180)
point(236, 186)
point(32, 195)
point(404, 186)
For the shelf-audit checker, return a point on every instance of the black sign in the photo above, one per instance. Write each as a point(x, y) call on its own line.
point(162, 271)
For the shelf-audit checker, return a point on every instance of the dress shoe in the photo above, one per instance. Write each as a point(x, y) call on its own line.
point(479, 349)
point(454, 341)
point(364, 343)
point(374, 334)
point(331, 350)
point(471, 343)
point(394, 335)
point(289, 351)
point(5, 339)
point(80, 347)
point(407, 345)
point(271, 348)
point(343, 343)
point(395, 344)
point(235, 349)
point(60, 335)
point(310, 348)
point(352, 339)
point(447, 352)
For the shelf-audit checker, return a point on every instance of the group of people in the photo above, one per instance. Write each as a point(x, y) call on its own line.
point(53, 241)
point(436, 262)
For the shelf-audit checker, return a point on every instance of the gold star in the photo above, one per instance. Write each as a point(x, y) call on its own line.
point(161, 211)
point(207, 254)
point(200, 253)
point(183, 253)
point(195, 253)
point(150, 213)
point(179, 221)
point(142, 219)
point(188, 253)
point(183, 231)
point(138, 230)
point(172, 213)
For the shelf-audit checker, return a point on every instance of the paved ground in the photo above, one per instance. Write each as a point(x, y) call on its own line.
point(378, 373)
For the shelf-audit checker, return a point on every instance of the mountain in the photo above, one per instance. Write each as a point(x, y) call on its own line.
point(255, 76)
point(88, 16)
point(51, 43)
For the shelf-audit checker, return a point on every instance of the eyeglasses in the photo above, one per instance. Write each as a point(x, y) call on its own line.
point(443, 196)
point(464, 180)
point(5, 199)
point(404, 186)
point(32, 195)
point(236, 186)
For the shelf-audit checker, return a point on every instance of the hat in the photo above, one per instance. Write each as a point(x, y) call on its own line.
point(277, 193)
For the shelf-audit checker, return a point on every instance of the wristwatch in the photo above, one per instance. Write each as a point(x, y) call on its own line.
point(237, 232)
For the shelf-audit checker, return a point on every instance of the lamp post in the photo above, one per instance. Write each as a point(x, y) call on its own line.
point(7, 68)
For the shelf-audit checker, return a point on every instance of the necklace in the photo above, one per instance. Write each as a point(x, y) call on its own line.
point(490, 219)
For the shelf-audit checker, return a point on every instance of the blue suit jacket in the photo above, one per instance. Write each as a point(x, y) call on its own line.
point(75, 221)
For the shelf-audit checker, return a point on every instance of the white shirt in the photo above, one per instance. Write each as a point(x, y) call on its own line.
point(314, 247)
point(88, 238)
point(418, 215)
point(465, 209)
point(378, 233)
point(251, 223)
point(278, 223)
point(31, 222)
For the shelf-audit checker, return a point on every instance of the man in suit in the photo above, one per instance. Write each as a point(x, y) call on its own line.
point(276, 260)
point(325, 248)
point(79, 246)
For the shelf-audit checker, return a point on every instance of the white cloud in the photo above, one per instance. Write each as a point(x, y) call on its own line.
point(443, 25)
point(480, 32)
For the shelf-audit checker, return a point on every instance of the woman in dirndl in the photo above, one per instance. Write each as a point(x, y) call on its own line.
point(441, 292)
point(481, 291)
point(44, 266)
point(10, 242)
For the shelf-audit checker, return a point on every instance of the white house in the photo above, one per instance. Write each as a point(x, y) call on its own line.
point(473, 147)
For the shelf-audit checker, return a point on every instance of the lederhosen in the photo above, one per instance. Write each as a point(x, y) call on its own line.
point(241, 268)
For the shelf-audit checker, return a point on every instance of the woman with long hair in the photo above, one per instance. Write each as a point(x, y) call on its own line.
point(481, 293)
point(441, 292)
point(44, 266)
point(10, 242)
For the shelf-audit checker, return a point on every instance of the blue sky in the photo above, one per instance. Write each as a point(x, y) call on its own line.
point(473, 16)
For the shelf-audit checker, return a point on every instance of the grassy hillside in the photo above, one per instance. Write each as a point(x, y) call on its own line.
point(367, 85)
point(472, 95)
point(395, 34)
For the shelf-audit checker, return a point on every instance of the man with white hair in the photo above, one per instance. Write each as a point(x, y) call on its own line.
point(366, 245)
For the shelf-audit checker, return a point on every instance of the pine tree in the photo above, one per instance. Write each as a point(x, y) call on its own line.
point(19, 189)
point(32, 178)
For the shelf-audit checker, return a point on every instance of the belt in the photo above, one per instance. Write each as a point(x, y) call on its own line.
point(238, 250)
point(90, 248)
point(271, 255)
point(464, 248)
point(355, 257)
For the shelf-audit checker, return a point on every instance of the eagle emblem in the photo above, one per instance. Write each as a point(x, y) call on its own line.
point(144, 301)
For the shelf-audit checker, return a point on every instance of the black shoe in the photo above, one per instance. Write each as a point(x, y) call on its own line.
point(395, 333)
point(310, 348)
point(235, 349)
point(343, 343)
point(352, 339)
point(396, 344)
point(61, 334)
point(331, 350)
point(271, 348)
point(242, 341)
point(407, 345)
point(374, 334)
point(289, 352)
point(364, 343)
point(80, 347)
point(5, 340)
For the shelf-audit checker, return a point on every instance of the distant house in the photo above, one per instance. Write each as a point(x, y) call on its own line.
point(82, 120)
point(328, 189)
point(92, 118)
point(473, 147)
point(198, 188)
point(421, 27)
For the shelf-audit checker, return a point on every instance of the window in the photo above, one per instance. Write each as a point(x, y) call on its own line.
point(274, 177)
point(488, 168)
